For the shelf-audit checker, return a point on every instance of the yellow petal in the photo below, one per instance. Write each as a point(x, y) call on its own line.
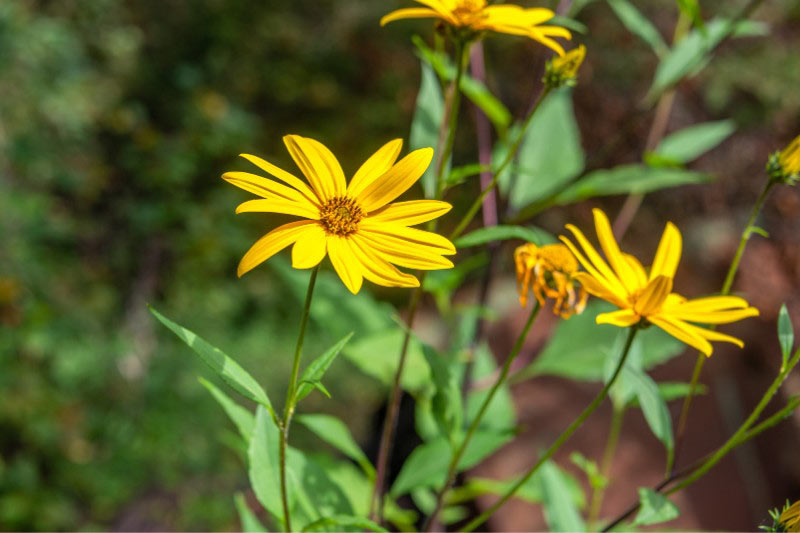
point(516, 15)
point(637, 269)
point(273, 242)
point(668, 254)
point(680, 331)
point(716, 336)
point(279, 206)
point(378, 270)
point(597, 287)
point(284, 176)
point(374, 167)
point(345, 263)
point(409, 13)
point(713, 317)
point(710, 303)
point(310, 248)
point(396, 180)
point(612, 251)
point(595, 264)
point(266, 188)
point(397, 251)
point(410, 213)
point(412, 238)
point(622, 318)
point(319, 166)
point(653, 295)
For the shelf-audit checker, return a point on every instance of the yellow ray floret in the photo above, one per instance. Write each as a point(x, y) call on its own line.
point(647, 296)
point(549, 272)
point(478, 16)
point(790, 518)
point(356, 224)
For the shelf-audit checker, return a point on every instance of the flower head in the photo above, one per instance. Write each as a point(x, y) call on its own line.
point(784, 166)
point(562, 70)
point(647, 297)
point(790, 518)
point(355, 224)
point(549, 272)
point(476, 15)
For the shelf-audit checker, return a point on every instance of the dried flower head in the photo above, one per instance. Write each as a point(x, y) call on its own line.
point(548, 271)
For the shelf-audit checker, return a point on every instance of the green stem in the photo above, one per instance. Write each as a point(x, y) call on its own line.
point(617, 417)
point(561, 439)
point(726, 289)
point(452, 123)
point(459, 453)
point(288, 409)
point(512, 153)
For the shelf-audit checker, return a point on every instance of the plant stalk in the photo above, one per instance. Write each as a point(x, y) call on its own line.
point(617, 417)
point(288, 409)
point(459, 452)
point(561, 439)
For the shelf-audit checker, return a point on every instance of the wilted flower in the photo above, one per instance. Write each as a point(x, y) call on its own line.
point(477, 16)
point(562, 70)
point(648, 298)
point(354, 224)
point(549, 272)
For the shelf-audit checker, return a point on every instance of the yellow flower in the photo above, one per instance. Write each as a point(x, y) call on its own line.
point(354, 224)
point(478, 16)
point(790, 157)
point(790, 518)
point(648, 298)
point(549, 272)
point(562, 70)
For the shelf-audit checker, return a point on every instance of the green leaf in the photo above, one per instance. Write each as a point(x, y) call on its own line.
point(691, 53)
point(673, 391)
point(579, 347)
point(427, 464)
point(241, 417)
point(264, 468)
point(425, 124)
point(355, 485)
point(319, 494)
point(550, 154)
point(655, 508)
point(377, 356)
point(560, 511)
point(500, 413)
point(590, 469)
point(446, 402)
point(653, 406)
point(459, 174)
point(337, 434)
point(569, 23)
point(503, 233)
point(473, 89)
point(690, 143)
point(639, 25)
point(230, 371)
point(442, 283)
point(785, 334)
point(313, 373)
point(250, 523)
point(342, 522)
point(691, 8)
point(627, 179)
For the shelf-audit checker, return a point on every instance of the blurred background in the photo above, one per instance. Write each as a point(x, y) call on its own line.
point(117, 119)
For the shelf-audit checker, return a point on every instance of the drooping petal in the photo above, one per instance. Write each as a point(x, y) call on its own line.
point(279, 206)
point(345, 263)
point(318, 164)
point(622, 318)
point(286, 177)
point(410, 213)
point(713, 317)
point(375, 167)
point(310, 248)
point(412, 238)
point(266, 188)
point(614, 255)
point(680, 331)
point(668, 254)
point(396, 180)
point(409, 13)
point(653, 295)
point(715, 335)
point(273, 242)
point(377, 269)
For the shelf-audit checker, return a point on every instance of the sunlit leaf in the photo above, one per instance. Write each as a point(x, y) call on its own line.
point(425, 124)
point(313, 373)
point(559, 507)
point(655, 508)
point(241, 417)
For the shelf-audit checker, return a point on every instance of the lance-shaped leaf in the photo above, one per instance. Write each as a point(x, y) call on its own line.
point(337, 434)
point(425, 124)
point(503, 233)
point(639, 25)
point(264, 469)
point(785, 334)
point(313, 373)
point(230, 371)
point(241, 417)
point(690, 143)
point(250, 523)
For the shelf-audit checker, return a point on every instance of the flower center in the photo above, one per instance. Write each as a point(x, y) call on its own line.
point(340, 216)
point(466, 11)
